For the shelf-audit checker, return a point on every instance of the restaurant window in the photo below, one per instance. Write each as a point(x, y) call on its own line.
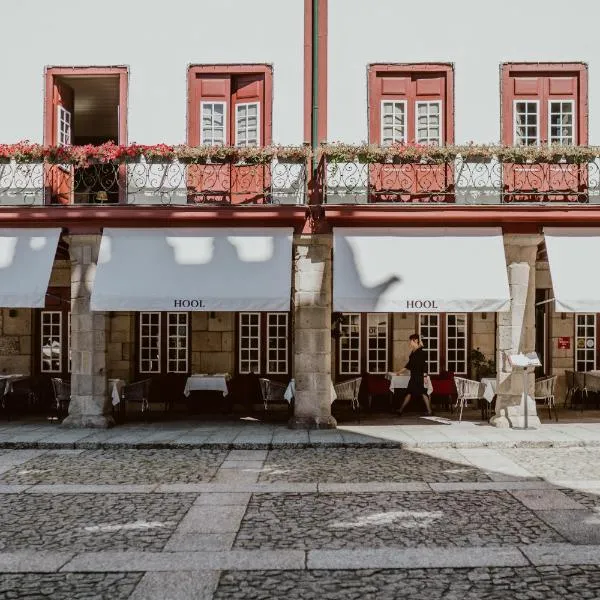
point(51, 342)
point(263, 340)
point(456, 343)
point(429, 330)
point(177, 342)
point(585, 342)
point(150, 342)
point(349, 354)
point(411, 104)
point(377, 343)
point(544, 104)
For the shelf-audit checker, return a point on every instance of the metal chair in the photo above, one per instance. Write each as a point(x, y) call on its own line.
point(570, 385)
point(544, 390)
point(579, 385)
point(467, 389)
point(272, 391)
point(348, 391)
point(62, 396)
point(138, 391)
point(592, 386)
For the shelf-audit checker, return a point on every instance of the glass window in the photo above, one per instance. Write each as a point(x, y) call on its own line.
point(526, 123)
point(429, 126)
point(456, 343)
point(561, 122)
point(150, 338)
point(393, 122)
point(277, 343)
point(349, 355)
point(585, 342)
point(64, 126)
point(429, 330)
point(249, 348)
point(177, 342)
point(51, 342)
point(377, 343)
point(213, 123)
point(246, 124)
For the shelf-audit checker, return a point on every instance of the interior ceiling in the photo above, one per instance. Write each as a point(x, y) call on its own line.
point(96, 107)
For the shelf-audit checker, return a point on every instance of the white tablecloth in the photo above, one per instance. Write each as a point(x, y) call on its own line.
point(290, 391)
point(217, 383)
point(489, 390)
point(11, 377)
point(400, 382)
point(116, 390)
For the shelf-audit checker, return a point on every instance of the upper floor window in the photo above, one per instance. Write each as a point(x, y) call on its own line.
point(64, 126)
point(411, 104)
point(230, 105)
point(544, 104)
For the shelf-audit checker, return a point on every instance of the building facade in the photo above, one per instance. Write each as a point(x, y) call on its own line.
point(204, 197)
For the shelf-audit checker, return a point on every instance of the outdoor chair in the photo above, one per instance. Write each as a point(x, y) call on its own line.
point(467, 389)
point(592, 386)
point(272, 391)
point(377, 385)
point(570, 387)
point(445, 389)
point(138, 391)
point(580, 389)
point(347, 391)
point(544, 391)
point(62, 396)
point(21, 393)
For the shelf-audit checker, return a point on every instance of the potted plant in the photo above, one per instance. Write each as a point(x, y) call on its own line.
point(481, 366)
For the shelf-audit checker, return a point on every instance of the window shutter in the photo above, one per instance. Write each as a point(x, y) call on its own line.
point(210, 89)
point(247, 111)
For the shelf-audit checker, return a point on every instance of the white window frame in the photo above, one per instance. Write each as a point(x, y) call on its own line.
point(428, 350)
point(141, 347)
point(349, 337)
point(241, 316)
point(212, 103)
point(178, 337)
point(404, 124)
point(585, 348)
point(238, 105)
point(440, 115)
point(465, 349)
point(52, 324)
point(282, 343)
point(385, 339)
point(573, 125)
point(62, 113)
point(514, 117)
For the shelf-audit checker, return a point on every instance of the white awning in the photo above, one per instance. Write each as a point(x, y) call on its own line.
point(572, 254)
point(432, 269)
point(220, 269)
point(26, 258)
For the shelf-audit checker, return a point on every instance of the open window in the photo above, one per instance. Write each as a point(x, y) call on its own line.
point(85, 105)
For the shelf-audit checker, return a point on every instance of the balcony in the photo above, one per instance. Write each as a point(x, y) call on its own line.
point(464, 175)
point(151, 175)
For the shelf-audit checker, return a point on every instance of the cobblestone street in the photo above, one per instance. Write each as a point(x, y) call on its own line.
point(300, 523)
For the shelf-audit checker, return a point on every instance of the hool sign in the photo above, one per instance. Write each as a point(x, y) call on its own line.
point(422, 305)
point(188, 303)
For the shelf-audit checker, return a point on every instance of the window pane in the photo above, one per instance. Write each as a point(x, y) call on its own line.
point(349, 344)
point(428, 330)
point(213, 123)
point(428, 121)
point(393, 113)
point(249, 356)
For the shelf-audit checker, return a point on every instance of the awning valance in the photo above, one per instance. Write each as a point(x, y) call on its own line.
point(431, 269)
point(26, 258)
point(576, 286)
point(196, 269)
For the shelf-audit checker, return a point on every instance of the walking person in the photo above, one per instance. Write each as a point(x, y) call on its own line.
point(417, 365)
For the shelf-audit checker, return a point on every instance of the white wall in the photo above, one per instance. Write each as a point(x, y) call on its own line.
point(157, 39)
point(476, 35)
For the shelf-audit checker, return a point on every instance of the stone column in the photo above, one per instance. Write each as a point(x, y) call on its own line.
point(516, 333)
point(312, 331)
point(90, 405)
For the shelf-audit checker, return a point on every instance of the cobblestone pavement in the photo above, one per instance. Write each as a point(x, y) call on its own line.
point(545, 583)
point(402, 519)
point(363, 464)
point(119, 466)
point(74, 586)
point(86, 522)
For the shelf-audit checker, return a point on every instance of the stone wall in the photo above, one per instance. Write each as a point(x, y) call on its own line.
point(121, 345)
point(213, 342)
point(16, 340)
point(483, 335)
point(61, 274)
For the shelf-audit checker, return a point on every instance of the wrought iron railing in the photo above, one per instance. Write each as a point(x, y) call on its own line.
point(155, 182)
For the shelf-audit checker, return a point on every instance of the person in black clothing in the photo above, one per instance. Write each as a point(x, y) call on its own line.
point(417, 366)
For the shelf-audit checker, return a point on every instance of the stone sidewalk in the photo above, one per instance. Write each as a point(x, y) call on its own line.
point(252, 434)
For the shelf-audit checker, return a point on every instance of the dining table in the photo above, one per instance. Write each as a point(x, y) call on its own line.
point(400, 382)
point(216, 382)
point(489, 388)
point(116, 390)
point(290, 391)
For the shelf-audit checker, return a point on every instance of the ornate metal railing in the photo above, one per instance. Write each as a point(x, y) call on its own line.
point(470, 181)
point(156, 182)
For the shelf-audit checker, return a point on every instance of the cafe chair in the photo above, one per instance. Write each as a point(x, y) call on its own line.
point(592, 386)
point(571, 389)
point(580, 389)
point(62, 396)
point(347, 391)
point(444, 388)
point(272, 391)
point(21, 393)
point(138, 391)
point(466, 389)
point(544, 391)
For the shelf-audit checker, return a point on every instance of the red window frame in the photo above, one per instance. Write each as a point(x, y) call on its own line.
point(411, 82)
point(221, 90)
point(536, 84)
